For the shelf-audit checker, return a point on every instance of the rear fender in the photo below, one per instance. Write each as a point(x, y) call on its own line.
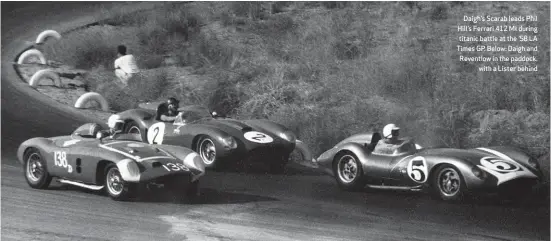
point(143, 118)
point(326, 159)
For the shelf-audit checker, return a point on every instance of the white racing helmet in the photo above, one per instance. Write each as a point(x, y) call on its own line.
point(387, 130)
point(114, 122)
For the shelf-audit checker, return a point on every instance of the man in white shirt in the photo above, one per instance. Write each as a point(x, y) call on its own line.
point(125, 65)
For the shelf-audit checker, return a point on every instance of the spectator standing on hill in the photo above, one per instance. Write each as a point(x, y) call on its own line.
point(125, 65)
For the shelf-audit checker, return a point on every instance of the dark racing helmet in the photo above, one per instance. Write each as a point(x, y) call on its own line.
point(172, 104)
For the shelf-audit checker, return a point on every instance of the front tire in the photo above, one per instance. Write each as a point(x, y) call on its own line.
point(448, 183)
point(348, 172)
point(207, 150)
point(115, 186)
point(36, 171)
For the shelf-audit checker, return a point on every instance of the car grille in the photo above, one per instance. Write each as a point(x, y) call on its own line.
point(518, 185)
point(266, 154)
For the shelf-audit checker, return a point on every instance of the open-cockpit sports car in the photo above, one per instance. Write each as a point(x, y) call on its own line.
point(447, 172)
point(117, 163)
point(218, 140)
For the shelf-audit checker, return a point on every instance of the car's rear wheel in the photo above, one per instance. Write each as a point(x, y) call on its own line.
point(115, 186)
point(207, 151)
point(36, 172)
point(348, 172)
point(448, 183)
point(133, 128)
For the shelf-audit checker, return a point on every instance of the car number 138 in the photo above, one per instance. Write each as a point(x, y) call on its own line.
point(175, 167)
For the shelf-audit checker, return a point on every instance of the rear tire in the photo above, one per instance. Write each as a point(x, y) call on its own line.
point(448, 183)
point(348, 172)
point(133, 128)
point(115, 186)
point(36, 171)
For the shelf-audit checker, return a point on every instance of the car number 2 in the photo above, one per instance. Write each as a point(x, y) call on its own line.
point(175, 167)
point(258, 137)
point(60, 160)
point(156, 133)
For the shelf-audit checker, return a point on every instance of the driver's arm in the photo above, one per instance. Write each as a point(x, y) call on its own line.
point(168, 118)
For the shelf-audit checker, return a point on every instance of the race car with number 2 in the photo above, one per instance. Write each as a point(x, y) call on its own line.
point(120, 164)
point(447, 172)
point(218, 140)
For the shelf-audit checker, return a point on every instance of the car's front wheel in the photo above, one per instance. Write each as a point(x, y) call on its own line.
point(207, 151)
point(36, 172)
point(448, 183)
point(348, 172)
point(115, 186)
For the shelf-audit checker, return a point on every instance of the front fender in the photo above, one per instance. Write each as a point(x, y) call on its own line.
point(464, 167)
point(37, 142)
point(190, 158)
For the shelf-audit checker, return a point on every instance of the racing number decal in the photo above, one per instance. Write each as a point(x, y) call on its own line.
point(175, 167)
point(60, 160)
point(156, 133)
point(258, 137)
point(417, 169)
point(499, 165)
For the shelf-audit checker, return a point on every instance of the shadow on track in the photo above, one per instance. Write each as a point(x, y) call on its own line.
point(160, 195)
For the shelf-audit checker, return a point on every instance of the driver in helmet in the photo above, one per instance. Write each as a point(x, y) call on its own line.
point(115, 125)
point(391, 132)
point(390, 141)
point(172, 110)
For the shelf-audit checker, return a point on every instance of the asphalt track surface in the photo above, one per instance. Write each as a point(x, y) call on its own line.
point(298, 205)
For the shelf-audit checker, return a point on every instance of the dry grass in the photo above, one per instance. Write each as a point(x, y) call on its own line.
point(329, 70)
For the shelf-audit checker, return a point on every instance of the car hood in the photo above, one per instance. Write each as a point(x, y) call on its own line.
point(137, 151)
point(473, 156)
point(229, 124)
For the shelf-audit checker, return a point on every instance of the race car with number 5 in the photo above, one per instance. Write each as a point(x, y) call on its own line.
point(218, 140)
point(119, 163)
point(447, 172)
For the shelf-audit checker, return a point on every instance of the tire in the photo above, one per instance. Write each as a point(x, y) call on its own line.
point(36, 170)
point(133, 127)
point(115, 186)
point(348, 172)
point(207, 150)
point(448, 183)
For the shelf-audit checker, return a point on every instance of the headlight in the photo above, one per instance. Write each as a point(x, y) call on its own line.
point(533, 163)
point(228, 142)
point(288, 135)
point(478, 173)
